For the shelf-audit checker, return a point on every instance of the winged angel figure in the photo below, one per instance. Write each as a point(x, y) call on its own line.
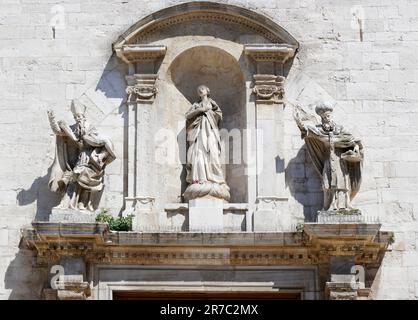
point(336, 154)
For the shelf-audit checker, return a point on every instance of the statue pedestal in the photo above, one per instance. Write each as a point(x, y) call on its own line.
point(206, 215)
point(71, 215)
point(340, 216)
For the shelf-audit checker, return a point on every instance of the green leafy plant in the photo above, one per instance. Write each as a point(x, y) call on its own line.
point(391, 239)
point(299, 227)
point(115, 224)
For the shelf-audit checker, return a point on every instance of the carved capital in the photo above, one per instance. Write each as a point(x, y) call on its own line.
point(141, 88)
point(269, 202)
point(346, 290)
point(69, 287)
point(268, 88)
point(72, 287)
point(142, 202)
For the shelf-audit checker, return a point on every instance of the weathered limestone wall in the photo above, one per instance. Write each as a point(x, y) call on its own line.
point(373, 81)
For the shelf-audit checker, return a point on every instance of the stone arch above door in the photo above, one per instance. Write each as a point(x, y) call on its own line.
point(263, 51)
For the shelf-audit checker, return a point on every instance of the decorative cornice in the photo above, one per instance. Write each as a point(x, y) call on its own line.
point(270, 52)
point(140, 53)
point(268, 88)
point(97, 244)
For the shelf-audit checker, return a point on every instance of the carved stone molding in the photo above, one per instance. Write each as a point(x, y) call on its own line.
point(268, 88)
point(270, 202)
point(344, 287)
point(280, 53)
point(143, 200)
point(96, 244)
point(142, 203)
point(69, 287)
point(140, 53)
point(141, 88)
point(200, 11)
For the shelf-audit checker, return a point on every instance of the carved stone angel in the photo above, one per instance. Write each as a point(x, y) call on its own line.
point(81, 155)
point(336, 154)
point(204, 170)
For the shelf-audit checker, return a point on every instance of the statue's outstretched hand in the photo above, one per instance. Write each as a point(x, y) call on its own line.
point(51, 114)
point(54, 125)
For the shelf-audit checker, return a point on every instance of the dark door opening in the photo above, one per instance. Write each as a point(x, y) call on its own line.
point(190, 295)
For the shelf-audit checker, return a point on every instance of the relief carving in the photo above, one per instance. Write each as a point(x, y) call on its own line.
point(268, 88)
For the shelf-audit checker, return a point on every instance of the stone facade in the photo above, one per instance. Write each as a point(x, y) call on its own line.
point(358, 54)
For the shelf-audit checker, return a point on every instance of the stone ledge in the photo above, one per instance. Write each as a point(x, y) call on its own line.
point(313, 231)
point(97, 244)
point(361, 231)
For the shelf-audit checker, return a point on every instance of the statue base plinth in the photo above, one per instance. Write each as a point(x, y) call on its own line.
point(206, 215)
point(340, 216)
point(72, 215)
point(207, 189)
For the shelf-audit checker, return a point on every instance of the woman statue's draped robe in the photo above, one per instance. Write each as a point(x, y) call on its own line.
point(204, 169)
point(337, 156)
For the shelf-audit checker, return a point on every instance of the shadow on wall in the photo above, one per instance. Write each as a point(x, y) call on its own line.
point(25, 280)
point(304, 184)
point(39, 192)
point(110, 85)
point(113, 85)
point(182, 150)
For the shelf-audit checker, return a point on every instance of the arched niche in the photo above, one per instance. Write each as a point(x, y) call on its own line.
point(221, 72)
point(241, 55)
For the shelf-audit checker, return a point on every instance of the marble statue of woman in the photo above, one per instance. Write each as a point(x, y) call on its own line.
point(336, 154)
point(81, 156)
point(204, 170)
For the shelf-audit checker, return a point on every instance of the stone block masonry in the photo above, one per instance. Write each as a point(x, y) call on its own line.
point(367, 66)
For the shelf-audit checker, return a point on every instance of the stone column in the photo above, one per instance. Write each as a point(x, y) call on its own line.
point(71, 284)
point(343, 284)
point(69, 288)
point(142, 90)
point(268, 90)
